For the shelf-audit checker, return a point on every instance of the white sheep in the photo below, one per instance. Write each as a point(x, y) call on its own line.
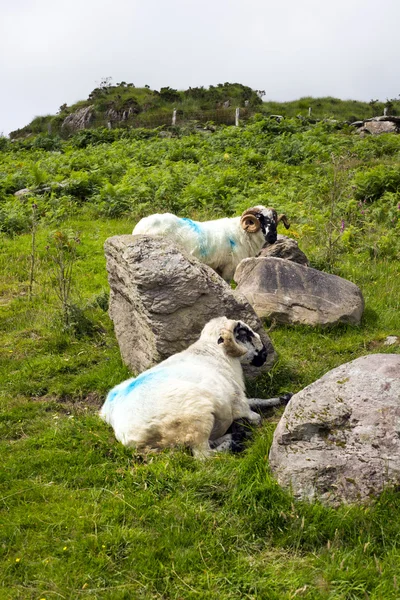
point(222, 243)
point(192, 397)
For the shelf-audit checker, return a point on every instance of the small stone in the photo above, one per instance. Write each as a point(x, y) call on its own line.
point(391, 340)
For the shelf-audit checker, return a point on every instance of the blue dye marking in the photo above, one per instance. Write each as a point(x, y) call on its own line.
point(193, 225)
point(196, 227)
point(232, 243)
point(121, 390)
point(145, 377)
point(112, 395)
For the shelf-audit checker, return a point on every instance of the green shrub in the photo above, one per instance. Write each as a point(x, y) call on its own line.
point(114, 201)
point(371, 184)
point(15, 217)
point(47, 142)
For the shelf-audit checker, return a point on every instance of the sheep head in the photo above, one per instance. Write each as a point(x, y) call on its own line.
point(227, 338)
point(259, 218)
point(240, 341)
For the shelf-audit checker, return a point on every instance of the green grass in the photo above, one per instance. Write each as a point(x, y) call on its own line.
point(83, 517)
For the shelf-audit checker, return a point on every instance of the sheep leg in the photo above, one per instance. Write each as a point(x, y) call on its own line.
point(242, 429)
point(242, 432)
point(221, 444)
point(265, 406)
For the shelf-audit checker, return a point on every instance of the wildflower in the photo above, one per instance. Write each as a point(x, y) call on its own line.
point(17, 560)
point(65, 548)
point(342, 226)
point(398, 206)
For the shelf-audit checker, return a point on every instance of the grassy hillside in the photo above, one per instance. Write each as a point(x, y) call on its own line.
point(80, 515)
point(124, 104)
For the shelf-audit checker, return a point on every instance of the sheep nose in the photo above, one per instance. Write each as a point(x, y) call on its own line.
point(260, 357)
point(272, 236)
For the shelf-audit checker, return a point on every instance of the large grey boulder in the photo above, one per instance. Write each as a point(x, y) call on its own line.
point(292, 293)
point(339, 438)
point(284, 247)
point(378, 125)
point(161, 298)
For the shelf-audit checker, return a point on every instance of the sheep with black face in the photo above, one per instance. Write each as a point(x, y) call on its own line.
point(221, 244)
point(191, 398)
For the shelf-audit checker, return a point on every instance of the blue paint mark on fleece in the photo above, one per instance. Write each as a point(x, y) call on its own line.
point(123, 389)
point(232, 243)
point(196, 227)
point(193, 225)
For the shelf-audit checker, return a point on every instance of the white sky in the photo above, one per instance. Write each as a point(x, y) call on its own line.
point(53, 52)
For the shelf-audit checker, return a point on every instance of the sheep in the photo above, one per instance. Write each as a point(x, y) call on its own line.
point(222, 243)
point(191, 398)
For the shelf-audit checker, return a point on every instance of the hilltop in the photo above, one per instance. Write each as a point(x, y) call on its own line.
point(122, 104)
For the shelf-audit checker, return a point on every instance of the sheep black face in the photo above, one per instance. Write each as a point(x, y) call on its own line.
point(243, 342)
point(261, 219)
point(265, 219)
point(257, 352)
point(268, 227)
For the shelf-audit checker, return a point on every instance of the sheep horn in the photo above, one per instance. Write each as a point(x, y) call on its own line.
point(249, 222)
point(231, 347)
point(284, 219)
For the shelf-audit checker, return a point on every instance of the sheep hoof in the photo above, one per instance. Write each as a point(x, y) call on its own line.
point(285, 397)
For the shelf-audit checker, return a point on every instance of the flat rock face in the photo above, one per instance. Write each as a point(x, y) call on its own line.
point(161, 299)
point(377, 127)
point(80, 119)
point(292, 293)
point(286, 248)
point(339, 438)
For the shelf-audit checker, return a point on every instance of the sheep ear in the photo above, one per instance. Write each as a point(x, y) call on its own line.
point(231, 347)
point(250, 223)
point(284, 220)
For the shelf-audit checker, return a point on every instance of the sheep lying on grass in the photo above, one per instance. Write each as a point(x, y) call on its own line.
point(220, 244)
point(191, 398)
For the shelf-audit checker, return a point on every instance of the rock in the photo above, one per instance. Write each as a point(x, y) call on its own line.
point(285, 247)
point(161, 299)
point(23, 192)
point(378, 125)
point(291, 293)
point(339, 438)
point(391, 340)
point(80, 119)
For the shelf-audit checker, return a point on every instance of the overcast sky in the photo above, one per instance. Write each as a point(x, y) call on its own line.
point(53, 52)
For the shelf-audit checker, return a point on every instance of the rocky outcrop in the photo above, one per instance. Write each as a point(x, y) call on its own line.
point(339, 438)
point(285, 247)
point(291, 293)
point(80, 119)
point(377, 125)
point(161, 298)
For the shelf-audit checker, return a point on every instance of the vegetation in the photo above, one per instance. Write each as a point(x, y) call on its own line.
point(122, 104)
point(83, 517)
